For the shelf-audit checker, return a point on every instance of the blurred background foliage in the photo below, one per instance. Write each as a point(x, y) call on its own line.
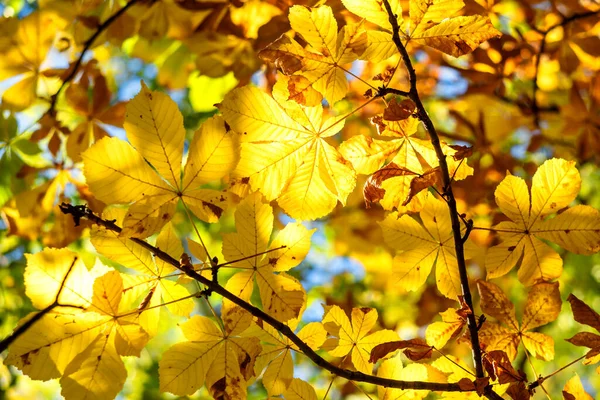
point(197, 53)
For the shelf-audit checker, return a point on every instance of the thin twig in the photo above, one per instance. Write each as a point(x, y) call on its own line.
point(21, 329)
point(79, 212)
point(541, 379)
point(86, 46)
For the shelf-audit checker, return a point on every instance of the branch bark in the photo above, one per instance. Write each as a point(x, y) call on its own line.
point(413, 94)
point(79, 212)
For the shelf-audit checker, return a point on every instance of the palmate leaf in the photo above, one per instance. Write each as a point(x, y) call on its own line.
point(281, 295)
point(318, 67)
point(420, 247)
point(284, 153)
point(555, 184)
point(276, 356)
point(82, 347)
point(542, 307)
point(354, 337)
point(119, 174)
point(431, 23)
point(223, 360)
point(153, 279)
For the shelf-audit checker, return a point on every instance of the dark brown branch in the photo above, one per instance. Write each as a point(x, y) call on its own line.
point(449, 195)
point(21, 329)
point(382, 91)
point(79, 212)
point(86, 46)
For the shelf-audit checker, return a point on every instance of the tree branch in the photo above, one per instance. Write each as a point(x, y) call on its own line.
point(79, 212)
point(86, 46)
point(21, 329)
point(413, 94)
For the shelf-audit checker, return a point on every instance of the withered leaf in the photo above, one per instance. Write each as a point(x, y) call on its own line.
point(398, 111)
point(417, 348)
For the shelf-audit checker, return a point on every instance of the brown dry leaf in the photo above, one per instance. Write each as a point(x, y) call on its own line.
point(542, 307)
point(372, 191)
point(518, 391)
point(498, 366)
point(415, 349)
point(398, 111)
point(430, 178)
point(585, 315)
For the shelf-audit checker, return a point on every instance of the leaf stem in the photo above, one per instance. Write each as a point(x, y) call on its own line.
point(541, 379)
point(254, 255)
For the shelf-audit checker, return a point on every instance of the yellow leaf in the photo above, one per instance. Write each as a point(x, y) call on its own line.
point(495, 303)
point(543, 305)
point(575, 389)
point(118, 174)
point(539, 345)
point(374, 11)
point(154, 271)
point(300, 390)
point(432, 23)
point(279, 374)
point(183, 367)
point(276, 355)
point(457, 36)
point(31, 41)
point(437, 334)
point(393, 369)
point(57, 270)
point(45, 350)
point(555, 184)
point(98, 371)
point(419, 246)
point(130, 339)
point(83, 345)
point(281, 295)
point(108, 290)
point(353, 337)
point(497, 337)
point(319, 66)
point(222, 360)
point(369, 155)
point(286, 159)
